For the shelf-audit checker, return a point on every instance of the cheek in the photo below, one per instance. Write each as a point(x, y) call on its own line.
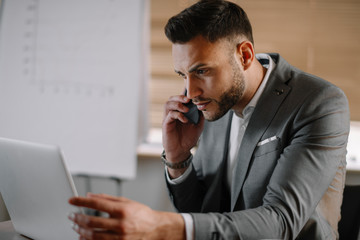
point(220, 83)
point(212, 87)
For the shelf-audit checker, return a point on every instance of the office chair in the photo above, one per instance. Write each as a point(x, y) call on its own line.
point(350, 214)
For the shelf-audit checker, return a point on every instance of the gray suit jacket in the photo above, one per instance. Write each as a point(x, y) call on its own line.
point(287, 187)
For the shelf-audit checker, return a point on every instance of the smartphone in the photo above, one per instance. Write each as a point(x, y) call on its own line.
point(193, 113)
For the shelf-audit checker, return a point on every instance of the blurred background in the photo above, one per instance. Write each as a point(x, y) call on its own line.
point(321, 37)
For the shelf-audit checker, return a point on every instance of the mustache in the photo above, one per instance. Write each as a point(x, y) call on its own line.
point(200, 99)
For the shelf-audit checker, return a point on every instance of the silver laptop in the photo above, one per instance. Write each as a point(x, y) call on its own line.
point(36, 185)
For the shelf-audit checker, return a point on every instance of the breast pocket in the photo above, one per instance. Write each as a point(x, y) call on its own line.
point(267, 146)
point(261, 168)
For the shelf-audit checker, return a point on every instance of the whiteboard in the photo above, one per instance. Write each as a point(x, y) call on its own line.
point(70, 74)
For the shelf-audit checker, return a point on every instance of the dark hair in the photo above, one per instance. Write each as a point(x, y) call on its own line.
point(212, 19)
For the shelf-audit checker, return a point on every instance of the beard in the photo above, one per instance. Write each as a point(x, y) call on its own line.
point(231, 96)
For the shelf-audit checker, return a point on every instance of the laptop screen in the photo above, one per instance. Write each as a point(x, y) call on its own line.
point(36, 185)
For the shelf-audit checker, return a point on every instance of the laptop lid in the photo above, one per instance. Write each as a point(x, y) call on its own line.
point(36, 185)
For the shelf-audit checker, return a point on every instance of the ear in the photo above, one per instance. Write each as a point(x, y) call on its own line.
point(245, 51)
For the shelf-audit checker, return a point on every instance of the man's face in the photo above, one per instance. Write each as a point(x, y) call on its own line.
point(212, 75)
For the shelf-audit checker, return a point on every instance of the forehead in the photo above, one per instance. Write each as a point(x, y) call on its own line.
point(199, 50)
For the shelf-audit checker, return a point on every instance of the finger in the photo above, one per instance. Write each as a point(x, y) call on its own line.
point(175, 106)
point(86, 221)
point(175, 115)
point(106, 235)
point(103, 205)
point(174, 102)
point(86, 233)
point(107, 197)
point(83, 232)
point(178, 98)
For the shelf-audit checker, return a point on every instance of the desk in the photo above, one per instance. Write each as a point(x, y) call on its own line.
point(7, 232)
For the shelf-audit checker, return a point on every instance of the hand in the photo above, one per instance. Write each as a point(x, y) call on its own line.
point(127, 220)
point(179, 134)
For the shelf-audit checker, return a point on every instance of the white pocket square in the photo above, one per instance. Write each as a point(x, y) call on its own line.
point(270, 139)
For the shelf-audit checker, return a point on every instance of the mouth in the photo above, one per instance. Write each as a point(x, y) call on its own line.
point(201, 105)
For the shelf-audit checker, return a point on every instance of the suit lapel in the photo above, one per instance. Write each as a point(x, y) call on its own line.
point(272, 97)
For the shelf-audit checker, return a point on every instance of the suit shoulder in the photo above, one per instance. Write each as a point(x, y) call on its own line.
point(309, 83)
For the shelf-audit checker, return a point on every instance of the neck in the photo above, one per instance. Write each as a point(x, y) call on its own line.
point(253, 78)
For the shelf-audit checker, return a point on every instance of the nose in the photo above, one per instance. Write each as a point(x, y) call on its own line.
point(193, 90)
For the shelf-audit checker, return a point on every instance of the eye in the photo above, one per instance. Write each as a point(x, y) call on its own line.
point(201, 71)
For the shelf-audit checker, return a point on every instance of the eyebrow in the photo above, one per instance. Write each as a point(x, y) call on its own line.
point(194, 68)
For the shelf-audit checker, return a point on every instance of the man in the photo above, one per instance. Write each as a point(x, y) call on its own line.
point(271, 143)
